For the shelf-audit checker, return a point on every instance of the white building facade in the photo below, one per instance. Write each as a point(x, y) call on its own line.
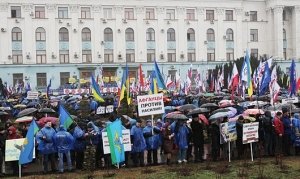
point(58, 40)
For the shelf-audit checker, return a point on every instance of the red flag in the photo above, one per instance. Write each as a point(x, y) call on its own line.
point(141, 76)
point(298, 84)
point(234, 81)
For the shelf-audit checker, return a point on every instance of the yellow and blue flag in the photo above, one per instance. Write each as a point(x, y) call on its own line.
point(153, 83)
point(96, 91)
point(249, 71)
point(65, 118)
point(160, 81)
point(26, 154)
point(125, 87)
point(114, 134)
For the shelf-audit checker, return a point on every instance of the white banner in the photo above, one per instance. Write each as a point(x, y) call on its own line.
point(13, 149)
point(109, 109)
point(32, 95)
point(250, 132)
point(125, 137)
point(76, 91)
point(150, 104)
point(100, 110)
point(290, 100)
point(109, 90)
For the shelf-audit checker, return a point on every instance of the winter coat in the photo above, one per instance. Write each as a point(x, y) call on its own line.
point(278, 125)
point(93, 105)
point(197, 132)
point(287, 125)
point(63, 140)
point(79, 143)
point(94, 136)
point(14, 134)
point(239, 130)
point(268, 123)
point(181, 136)
point(296, 128)
point(138, 140)
point(152, 140)
point(168, 142)
point(46, 146)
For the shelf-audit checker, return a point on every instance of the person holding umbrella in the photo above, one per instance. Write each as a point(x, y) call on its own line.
point(287, 131)
point(152, 138)
point(279, 130)
point(181, 138)
point(296, 133)
point(198, 138)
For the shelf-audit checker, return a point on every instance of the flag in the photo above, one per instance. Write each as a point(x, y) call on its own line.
point(141, 78)
point(27, 87)
point(153, 84)
point(177, 80)
point(293, 79)
point(125, 87)
point(64, 117)
point(298, 85)
point(221, 77)
point(249, 70)
point(26, 154)
point(115, 140)
point(95, 90)
point(160, 81)
point(274, 91)
point(48, 89)
point(169, 82)
point(234, 81)
point(265, 80)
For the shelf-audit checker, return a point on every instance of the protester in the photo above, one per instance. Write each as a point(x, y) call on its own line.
point(13, 134)
point(138, 144)
point(269, 133)
point(198, 138)
point(79, 145)
point(153, 142)
point(181, 138)
point(296, 133)
point(287, 131)
point(168, 142)
point(2, 147)
point(239, 140)
point(279, 130)
point(64, 142)
point(46, 146)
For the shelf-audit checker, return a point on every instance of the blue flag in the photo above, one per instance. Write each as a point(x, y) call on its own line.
point(114, 134)
point(266, 79)
point(160, 80)
point(26, 154)
point(64, 117)
point(293, 82)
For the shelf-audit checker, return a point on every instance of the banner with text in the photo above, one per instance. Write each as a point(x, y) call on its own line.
point(32, 95)
point(250, 132)
point(13, 149)
point(150, 104)
point(228, 132)
point(77, 91)
point(125, 139)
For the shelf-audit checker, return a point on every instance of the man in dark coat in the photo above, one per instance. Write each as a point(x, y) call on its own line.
point(287, 124)
point(239, 132)
point(198, 139)
point(2, 147)
point(269, 134)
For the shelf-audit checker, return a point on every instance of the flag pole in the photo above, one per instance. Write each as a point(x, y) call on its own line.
point(20, 171)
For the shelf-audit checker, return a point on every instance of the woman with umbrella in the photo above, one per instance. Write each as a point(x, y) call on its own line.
point(181, 138)
point(168, 141)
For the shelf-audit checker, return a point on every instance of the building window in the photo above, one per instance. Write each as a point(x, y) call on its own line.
point(107, 13)
point(210, 35)
point(85, 12)
point(150, 13)
point(41, 80)
point(229, 35)
point(253, 35)
point(191, 56)
point(41, 57)
point(63, 35)
point(190, 14)
point(253, 15)
point(17, 78)
point(39, 12)
point(190, 34)
point(229, 15)
point(284, 53)
point(17, 57)
point(15, 11)
point(64, 78)
point(40, 34)
point(86, 34)
point(254, 53)
point(62, 12)
point(172, 56)
point(108, 35)
point(129, 13)
point(172, 74)
point(130, 56)
point(211, 55)
point(64, 56)
point(129, 34)
point(284, 34)
point(170, 14)
point(150, 55)
point(16, 34)
point(86, 56)
point(229, 55)
point(150, 34)
point(284, 15)
point(210, 15)
point(108, 56)
point(171, 35)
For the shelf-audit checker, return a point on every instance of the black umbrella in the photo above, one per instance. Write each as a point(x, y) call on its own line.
point(46, 110)
point(198, 111)
point(2, 113)
point(296, 110)
point(32, 104)
point(176, 116)
point(187, 107)
point(209, 105)
point(26, 112)
point(220, 110)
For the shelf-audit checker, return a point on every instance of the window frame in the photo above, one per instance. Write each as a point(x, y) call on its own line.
point(129, 35)
point(40, 35)
point(171, 35)
point(85, 13)
point(63, 35)
point(108, 35)
point(150, 34)
point(191, 36)
point(210, 15)
point(170, 14)
point(87, 35)
point(210, 35)
point(229, 15)
point(190, 14)
point(229, 35)
point(63, 12)
point(150, 14)
point(129, 13)
point(41, 81)
point(253, 16)
point(253, 35)
point(39, 14)
point(18, 11)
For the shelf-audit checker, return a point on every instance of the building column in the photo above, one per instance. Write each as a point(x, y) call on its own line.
point(270, 33)
point(278, 31)
point(181, 36)
point(140, 40)
point(220, 50)
point(201, 48)
point(297, 31)
point(238, 40)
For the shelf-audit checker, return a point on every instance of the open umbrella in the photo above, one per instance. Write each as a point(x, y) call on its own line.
point(209, 105)
point(46, 110)
point(225, 103)
point(26, 112)
point(169, 109)
point(187, 107)
point(24, 119)
point(203, 119)
point(5, 108)
point(2, 113)
point(32, 104)
point(44, 120)
point(253, 111)
point(296, 110)
point(198, 111)
point(218, 115)
point(220, 110)
point(20, 106)
point(177, 116)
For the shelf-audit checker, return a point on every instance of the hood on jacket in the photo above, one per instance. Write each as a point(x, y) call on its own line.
point(12, 129)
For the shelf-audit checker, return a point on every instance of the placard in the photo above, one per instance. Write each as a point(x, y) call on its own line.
point(12, 149)
point(76, 91)
point(32, 95)
point(109, 109)
point(109, 89)
point(290, 100)
point(250, 132)
point(100, 110)
point(150, 104)
point(228, 132)
point(125, 139)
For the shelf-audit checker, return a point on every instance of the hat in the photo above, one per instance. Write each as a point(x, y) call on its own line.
point(139, 120)
point(278, 113)
point(284, 110)
point(296, 115)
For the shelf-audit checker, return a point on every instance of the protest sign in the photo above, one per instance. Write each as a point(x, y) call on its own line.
point(125, 138)
point(32, 95)
point(228, 132)
point(250, 132)
point(100, 110)
point(150, 104)
point(13, 149)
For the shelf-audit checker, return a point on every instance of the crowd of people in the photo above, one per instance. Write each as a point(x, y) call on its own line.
point(166, 141)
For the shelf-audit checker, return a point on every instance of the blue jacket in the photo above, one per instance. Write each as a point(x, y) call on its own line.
point(63, 140)
point(46, 146)
point(181, 137)
point(287, 126)
point(138, 140)
point(152, 140)
point(79, 143)
point(93, 105)
point(296, 126)
point(94, 136)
